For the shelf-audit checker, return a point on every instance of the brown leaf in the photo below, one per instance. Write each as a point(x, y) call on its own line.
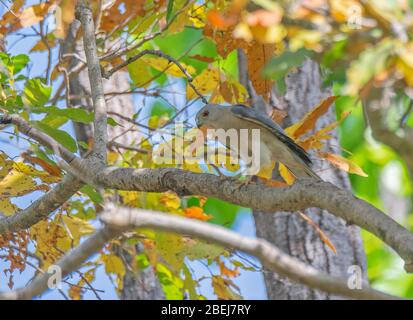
point(308, 122)
point(34, 14)
point(343, 163)
point(258, 56)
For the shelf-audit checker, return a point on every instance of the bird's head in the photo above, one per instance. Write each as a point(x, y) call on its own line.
point(208, 115)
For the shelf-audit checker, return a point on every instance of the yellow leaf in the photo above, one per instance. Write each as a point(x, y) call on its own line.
point(30, 171)
point(266, 172)
point(163, 65)
point(308, 122)
point(205, 82)
point(16, 184)
point(75, 292)
point(169, 246)
point(7, 208)
point(343, 163)
point(286, 174)
point(48, 236)
point(170, 200)
point(113, 264)
point(5, 165)
point(77, 227)
point(223, 289)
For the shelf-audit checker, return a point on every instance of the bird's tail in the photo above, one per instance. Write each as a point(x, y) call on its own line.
point(302, 170)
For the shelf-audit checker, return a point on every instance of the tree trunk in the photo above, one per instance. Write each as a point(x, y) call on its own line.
point(143, 284)
point(287, 230)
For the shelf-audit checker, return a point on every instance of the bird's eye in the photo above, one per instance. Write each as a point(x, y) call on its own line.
point(205, 114)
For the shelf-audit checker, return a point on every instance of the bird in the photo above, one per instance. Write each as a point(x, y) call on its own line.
point(275, 144)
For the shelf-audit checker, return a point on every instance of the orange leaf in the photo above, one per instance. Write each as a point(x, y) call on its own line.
point(51, 169)
point(258, 56)
point(196, 213)
point(320, 232)
point(202, 58)
point(315, 140)
point(219, 20)
point(343, 163)
point(308, 122)
point(227, 272)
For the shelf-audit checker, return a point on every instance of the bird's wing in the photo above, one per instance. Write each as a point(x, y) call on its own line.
point(252, 115)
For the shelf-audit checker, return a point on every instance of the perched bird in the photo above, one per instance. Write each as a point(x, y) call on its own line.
point(275, 145)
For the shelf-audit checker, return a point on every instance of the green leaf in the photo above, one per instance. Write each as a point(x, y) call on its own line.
point(60, 136)
point(92, 194)
point(169, 10)
point(142, 261)
point(19, 62)
point(75, 114)
point(159, 109)
point(36, 93)
point(223, 213)
point(171, 284)
point(112, 122)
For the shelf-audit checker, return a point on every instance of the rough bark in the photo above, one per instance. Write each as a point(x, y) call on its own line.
point(287, 230)
point(137, 285)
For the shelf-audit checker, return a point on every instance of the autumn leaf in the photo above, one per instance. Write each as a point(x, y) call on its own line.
point(286, 174)
point(7, 207)
point(170, 200)
point(16, 184)
point(320, 232)
point(220, 20)
point(169, 247)
point(114, 265)
point(315, 141)
point(196, 213)
point(205, 83)
point(307, 123)
point(51, 169)
point(226, 271)
point(224, 288)
point(33, 14)
point(343, 163)
point(163, 65)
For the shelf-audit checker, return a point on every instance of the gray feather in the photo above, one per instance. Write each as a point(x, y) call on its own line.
point(250, 114)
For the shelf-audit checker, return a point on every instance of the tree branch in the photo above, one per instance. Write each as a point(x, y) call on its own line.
point(84, 14)
point(24, 127)
point(303, 194)
point(42, 207)
point(119, 220)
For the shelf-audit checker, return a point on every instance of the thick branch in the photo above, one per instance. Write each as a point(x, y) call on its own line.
point(303, 194)
point(122, 219)
point(84, 14)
